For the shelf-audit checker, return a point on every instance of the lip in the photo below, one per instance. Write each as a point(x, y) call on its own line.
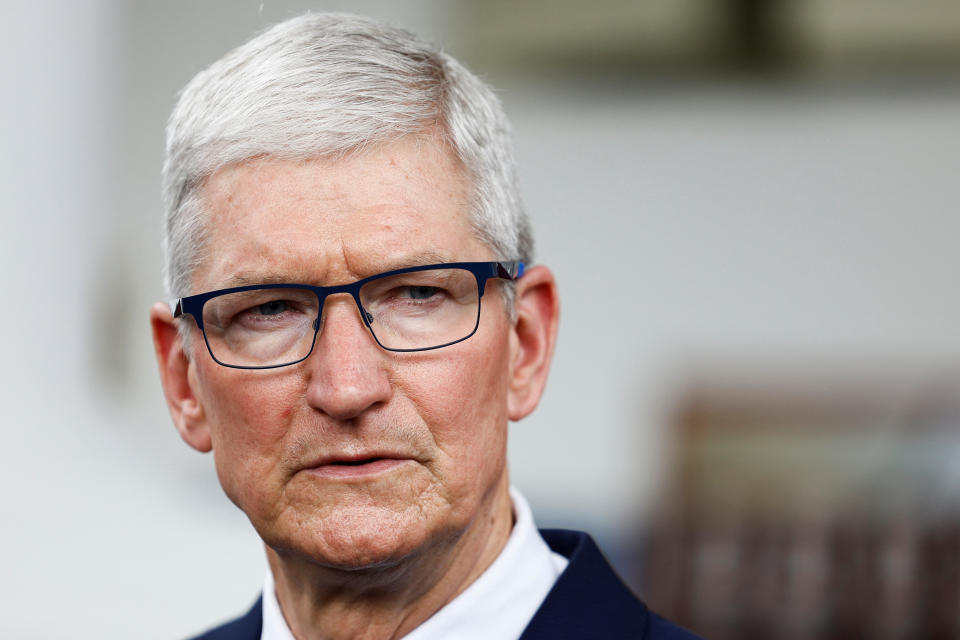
point(356, 467)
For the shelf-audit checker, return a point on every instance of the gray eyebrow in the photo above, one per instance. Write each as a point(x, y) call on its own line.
point(418, 260)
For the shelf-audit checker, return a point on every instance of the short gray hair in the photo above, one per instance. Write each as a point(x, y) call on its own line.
point(325, 85)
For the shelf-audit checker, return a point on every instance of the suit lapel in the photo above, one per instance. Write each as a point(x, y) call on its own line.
point(588, 599)
point(247, 627)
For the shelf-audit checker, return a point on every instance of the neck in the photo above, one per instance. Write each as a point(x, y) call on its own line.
point(388, 602)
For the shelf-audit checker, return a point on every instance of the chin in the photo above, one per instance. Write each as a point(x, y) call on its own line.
point(360, 538)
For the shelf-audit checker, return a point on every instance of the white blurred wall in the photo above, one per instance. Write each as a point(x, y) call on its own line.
point(693, 229)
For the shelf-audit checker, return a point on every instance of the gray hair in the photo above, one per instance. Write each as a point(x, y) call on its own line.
point(325, 85)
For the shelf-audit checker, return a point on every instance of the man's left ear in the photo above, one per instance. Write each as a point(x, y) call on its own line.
point(532, 340)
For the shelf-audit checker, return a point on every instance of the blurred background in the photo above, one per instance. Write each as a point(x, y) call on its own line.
point(752, 210)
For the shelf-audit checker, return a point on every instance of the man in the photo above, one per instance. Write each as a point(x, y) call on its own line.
point(354, 327)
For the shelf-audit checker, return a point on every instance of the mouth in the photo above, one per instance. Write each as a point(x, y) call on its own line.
point(359, 467)
point(355, 463)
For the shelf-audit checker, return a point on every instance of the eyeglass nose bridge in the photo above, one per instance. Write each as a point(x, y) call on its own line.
point(353, 290)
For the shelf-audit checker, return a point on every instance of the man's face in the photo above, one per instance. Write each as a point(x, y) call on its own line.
point(430, 426)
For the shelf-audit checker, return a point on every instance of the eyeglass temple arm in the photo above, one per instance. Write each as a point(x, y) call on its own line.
point(175, 309)
point(511, 270)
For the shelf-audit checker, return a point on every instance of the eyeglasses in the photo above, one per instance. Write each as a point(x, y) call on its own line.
point(275, 325)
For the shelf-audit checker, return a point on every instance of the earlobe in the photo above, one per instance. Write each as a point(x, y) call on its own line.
point(534, 336)
point(176, 375)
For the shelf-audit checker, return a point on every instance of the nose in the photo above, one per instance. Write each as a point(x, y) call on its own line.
point(347, 369)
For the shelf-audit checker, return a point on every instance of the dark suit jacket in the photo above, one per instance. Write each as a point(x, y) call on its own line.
point(587, 602)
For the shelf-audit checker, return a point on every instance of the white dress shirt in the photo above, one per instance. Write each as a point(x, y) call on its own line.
point(497, 606)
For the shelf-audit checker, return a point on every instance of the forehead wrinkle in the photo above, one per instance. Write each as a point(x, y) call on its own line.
point(270, 262)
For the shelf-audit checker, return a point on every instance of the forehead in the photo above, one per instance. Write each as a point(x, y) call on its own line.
point(332, 220)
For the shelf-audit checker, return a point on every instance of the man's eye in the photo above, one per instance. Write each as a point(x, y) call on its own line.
point(421, 293)
point(272, 308)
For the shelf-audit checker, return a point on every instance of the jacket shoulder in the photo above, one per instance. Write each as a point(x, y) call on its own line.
point(246, 627)
point(590, 601)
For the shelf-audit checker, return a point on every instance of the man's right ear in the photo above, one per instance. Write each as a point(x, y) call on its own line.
point(177, 377)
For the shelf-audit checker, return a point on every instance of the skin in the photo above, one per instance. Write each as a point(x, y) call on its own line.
point(371, 553)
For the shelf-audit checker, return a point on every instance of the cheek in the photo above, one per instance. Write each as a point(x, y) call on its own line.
point(459, 390)
point(461, 396)
point(249, 417)
point(252, 408)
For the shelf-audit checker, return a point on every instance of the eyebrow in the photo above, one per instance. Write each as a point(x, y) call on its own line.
point(247, 278)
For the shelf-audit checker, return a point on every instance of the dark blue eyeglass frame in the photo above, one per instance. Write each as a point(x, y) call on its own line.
point(482, 271)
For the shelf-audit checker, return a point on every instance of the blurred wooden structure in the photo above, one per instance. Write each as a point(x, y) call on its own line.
point(810, 516)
